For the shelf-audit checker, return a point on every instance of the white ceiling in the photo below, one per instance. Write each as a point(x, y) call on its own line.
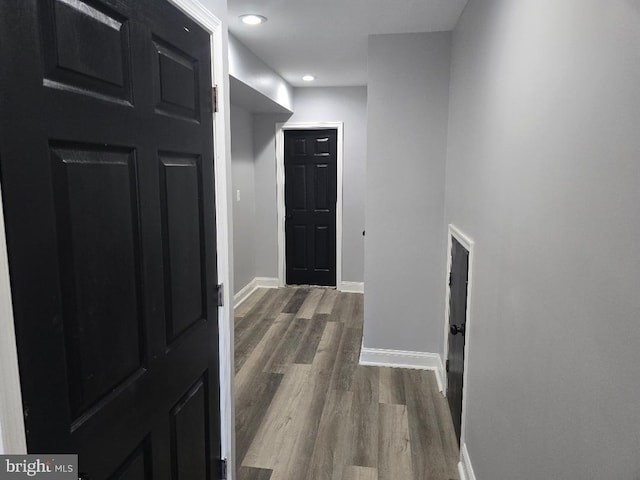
point(328, 38)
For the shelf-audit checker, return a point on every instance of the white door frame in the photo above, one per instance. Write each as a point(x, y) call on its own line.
point(280, 174)
point(222, 166)
point(12, 435)
point(469, 244)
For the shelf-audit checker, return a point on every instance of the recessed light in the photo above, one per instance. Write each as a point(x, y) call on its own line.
point(252, 19)
point(308, 78)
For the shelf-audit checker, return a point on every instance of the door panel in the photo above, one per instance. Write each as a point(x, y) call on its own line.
point(96, 211)
point(182, 220)
point(300, 254)
point(106, 161)
point(298, 186)
point(310, 199)
point(322, 187)
point(322, 242)
point(86, 47)
point(176, 73)
point(458, 282)
point(189, 437)
point(137, 466)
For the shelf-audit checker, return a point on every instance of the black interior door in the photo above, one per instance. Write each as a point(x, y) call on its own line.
point(310, 161)
point(458, 282)
point(106, 157)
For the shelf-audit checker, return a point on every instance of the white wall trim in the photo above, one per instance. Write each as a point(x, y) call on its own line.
point(201, 15)
point(469, 244)
point(12, 435)
point(379, 357)
point(252, 286)
point(244, 293)
point(280, 128)
point(351, 287)
point(267, 282)
point(464, 466)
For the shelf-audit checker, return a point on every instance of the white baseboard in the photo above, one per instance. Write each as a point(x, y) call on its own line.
point(464, 466)
point(244, 293)
point(252, 286)
point(351, 287)
point(403, 359)
point(266, 282)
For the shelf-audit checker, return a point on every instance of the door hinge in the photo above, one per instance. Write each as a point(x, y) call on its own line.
point(214, 98)
point(446, 366)
point(220, 294)
point(223, 468)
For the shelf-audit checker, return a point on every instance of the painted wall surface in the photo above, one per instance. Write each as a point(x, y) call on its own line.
point(544, 174)
point(244, 210)
point(252, 71)
point(347, 105)
point(406, 238)
point(264, 147)
point(217, 7)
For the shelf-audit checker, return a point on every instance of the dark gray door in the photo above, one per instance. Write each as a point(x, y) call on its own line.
point(310, 162)
point(458, 282)
point(106, 154)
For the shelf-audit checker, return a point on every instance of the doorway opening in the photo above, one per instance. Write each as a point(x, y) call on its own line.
point(456, 342)
point(307, 233)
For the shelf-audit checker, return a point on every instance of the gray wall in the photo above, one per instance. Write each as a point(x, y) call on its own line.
point(348, 105)
point(405, 244)
point(544, 173)
point(259, 79)
point(264, 128)
point(244, 211)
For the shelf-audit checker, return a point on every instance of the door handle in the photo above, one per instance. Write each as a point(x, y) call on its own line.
point(455, 329)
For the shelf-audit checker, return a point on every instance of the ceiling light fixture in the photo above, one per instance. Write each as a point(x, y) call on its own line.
point(252, 19)
point(308, 78)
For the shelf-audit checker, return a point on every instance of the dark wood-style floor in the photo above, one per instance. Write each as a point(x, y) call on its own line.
point(305, 409)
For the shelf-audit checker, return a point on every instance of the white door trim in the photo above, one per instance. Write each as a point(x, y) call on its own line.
point(12, 435)
point(469, 244)
point(201, 15)
point(280, 128)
